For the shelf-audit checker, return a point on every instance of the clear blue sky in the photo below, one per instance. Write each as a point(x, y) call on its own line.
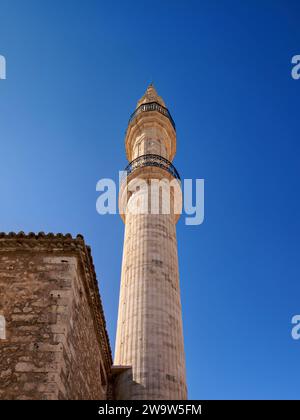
point(75, 70)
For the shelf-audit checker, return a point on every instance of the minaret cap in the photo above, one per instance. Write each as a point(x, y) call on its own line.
point(151, 96)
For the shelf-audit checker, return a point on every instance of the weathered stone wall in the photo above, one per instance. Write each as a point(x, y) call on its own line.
point(56, 345)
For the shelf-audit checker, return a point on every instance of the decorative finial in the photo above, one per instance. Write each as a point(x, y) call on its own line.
point(151, 96)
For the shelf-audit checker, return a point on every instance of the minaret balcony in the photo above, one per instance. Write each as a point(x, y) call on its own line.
point(152, 160)
point(152, 106)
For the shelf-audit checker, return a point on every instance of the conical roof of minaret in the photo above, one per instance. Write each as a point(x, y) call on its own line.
point(151, 96)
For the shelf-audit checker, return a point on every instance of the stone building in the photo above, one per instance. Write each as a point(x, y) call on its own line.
point(53, 339)
point(56, 345)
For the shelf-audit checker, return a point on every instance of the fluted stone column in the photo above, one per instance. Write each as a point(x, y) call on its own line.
point(149, 333)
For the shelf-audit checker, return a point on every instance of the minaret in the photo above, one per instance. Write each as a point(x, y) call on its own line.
point(149, 354)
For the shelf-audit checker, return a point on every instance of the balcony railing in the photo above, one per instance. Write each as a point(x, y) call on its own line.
point(152, 160)
point(152, 106)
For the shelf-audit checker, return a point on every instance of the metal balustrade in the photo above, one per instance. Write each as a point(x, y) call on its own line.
point(152, 160)
point(152, 106)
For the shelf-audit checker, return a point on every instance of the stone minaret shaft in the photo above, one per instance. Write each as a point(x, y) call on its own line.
point(149, 333)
